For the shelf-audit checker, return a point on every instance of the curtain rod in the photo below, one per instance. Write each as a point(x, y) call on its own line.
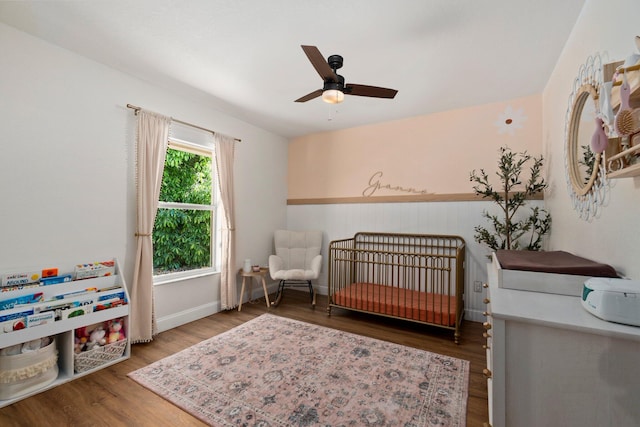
point(136, 109)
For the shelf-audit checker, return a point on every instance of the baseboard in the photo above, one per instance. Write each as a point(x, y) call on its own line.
point(177, 319)
point(474, 315)
point(322, 289)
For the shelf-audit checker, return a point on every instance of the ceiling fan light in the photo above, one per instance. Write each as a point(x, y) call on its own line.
point(333, 96)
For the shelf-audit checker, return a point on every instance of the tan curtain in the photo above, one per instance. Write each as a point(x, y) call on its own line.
point(224, 163)
point(151, 150)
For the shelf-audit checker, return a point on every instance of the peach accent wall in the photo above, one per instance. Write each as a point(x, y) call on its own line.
point(430, 154)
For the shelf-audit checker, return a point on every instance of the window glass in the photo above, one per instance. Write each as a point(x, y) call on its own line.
point(184, 227)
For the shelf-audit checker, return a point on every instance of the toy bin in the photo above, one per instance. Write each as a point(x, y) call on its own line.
point(87, 360)
point(25, 373)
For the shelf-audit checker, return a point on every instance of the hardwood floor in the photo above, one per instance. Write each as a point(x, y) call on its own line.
point(109, 398)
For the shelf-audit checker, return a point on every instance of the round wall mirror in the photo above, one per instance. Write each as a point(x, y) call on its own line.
point(586, 177)
point(582, 160)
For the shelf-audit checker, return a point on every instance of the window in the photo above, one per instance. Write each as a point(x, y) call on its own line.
point(184, 229)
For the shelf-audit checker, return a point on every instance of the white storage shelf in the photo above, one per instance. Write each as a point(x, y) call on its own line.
point(63, 331)
point(616, 153)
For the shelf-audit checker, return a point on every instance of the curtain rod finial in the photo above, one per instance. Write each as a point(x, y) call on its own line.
point(135, 109)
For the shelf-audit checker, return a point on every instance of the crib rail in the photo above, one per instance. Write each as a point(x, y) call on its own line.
point(410, 276)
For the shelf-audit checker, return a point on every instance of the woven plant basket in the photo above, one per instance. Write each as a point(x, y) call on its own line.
point(98, 356)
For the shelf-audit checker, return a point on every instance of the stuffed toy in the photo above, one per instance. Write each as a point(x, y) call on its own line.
point(96, 338)
point(116, 333)
point(80, 340)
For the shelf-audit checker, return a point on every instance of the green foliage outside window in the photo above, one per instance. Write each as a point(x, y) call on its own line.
point(182, 237)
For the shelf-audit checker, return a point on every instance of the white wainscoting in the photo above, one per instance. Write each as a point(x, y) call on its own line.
point(458, 218)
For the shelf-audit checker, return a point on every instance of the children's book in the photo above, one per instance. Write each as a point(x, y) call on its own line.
point(21, 300)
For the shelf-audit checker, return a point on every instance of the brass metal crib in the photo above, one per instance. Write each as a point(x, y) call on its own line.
point(415, 277)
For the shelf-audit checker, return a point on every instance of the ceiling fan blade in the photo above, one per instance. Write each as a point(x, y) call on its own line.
point(371, 91)
point(319, 63)
point(310, 96)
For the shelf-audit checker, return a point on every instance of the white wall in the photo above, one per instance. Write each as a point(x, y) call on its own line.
point(67, 183)
point(607, 27)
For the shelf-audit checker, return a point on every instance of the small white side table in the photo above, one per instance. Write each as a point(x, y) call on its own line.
point(258, 275)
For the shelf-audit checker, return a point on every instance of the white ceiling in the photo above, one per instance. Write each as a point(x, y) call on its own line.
point(244, 56)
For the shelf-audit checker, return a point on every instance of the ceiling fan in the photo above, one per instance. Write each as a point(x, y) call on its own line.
point(334, 88)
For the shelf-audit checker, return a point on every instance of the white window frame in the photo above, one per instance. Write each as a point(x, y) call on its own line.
point(202, 150)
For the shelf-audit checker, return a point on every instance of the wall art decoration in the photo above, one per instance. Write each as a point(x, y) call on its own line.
point(510, 120)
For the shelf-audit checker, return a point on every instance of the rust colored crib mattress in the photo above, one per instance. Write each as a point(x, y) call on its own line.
point(426, 307)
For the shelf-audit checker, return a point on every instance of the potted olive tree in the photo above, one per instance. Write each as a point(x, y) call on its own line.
point(508, 231)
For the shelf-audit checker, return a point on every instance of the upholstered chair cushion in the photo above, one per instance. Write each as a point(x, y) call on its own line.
point(297, 255)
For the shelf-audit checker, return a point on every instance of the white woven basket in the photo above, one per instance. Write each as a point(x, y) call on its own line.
point(98, 356)
point(24, 373)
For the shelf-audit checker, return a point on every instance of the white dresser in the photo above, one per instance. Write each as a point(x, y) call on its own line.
point(551, 363)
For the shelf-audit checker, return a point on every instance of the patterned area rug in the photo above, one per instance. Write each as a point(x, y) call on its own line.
point(273, 371)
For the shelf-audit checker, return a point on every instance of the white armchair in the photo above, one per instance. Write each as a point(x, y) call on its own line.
point(297, 260)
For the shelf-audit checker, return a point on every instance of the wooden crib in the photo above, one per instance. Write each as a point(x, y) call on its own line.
point(415, 277)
